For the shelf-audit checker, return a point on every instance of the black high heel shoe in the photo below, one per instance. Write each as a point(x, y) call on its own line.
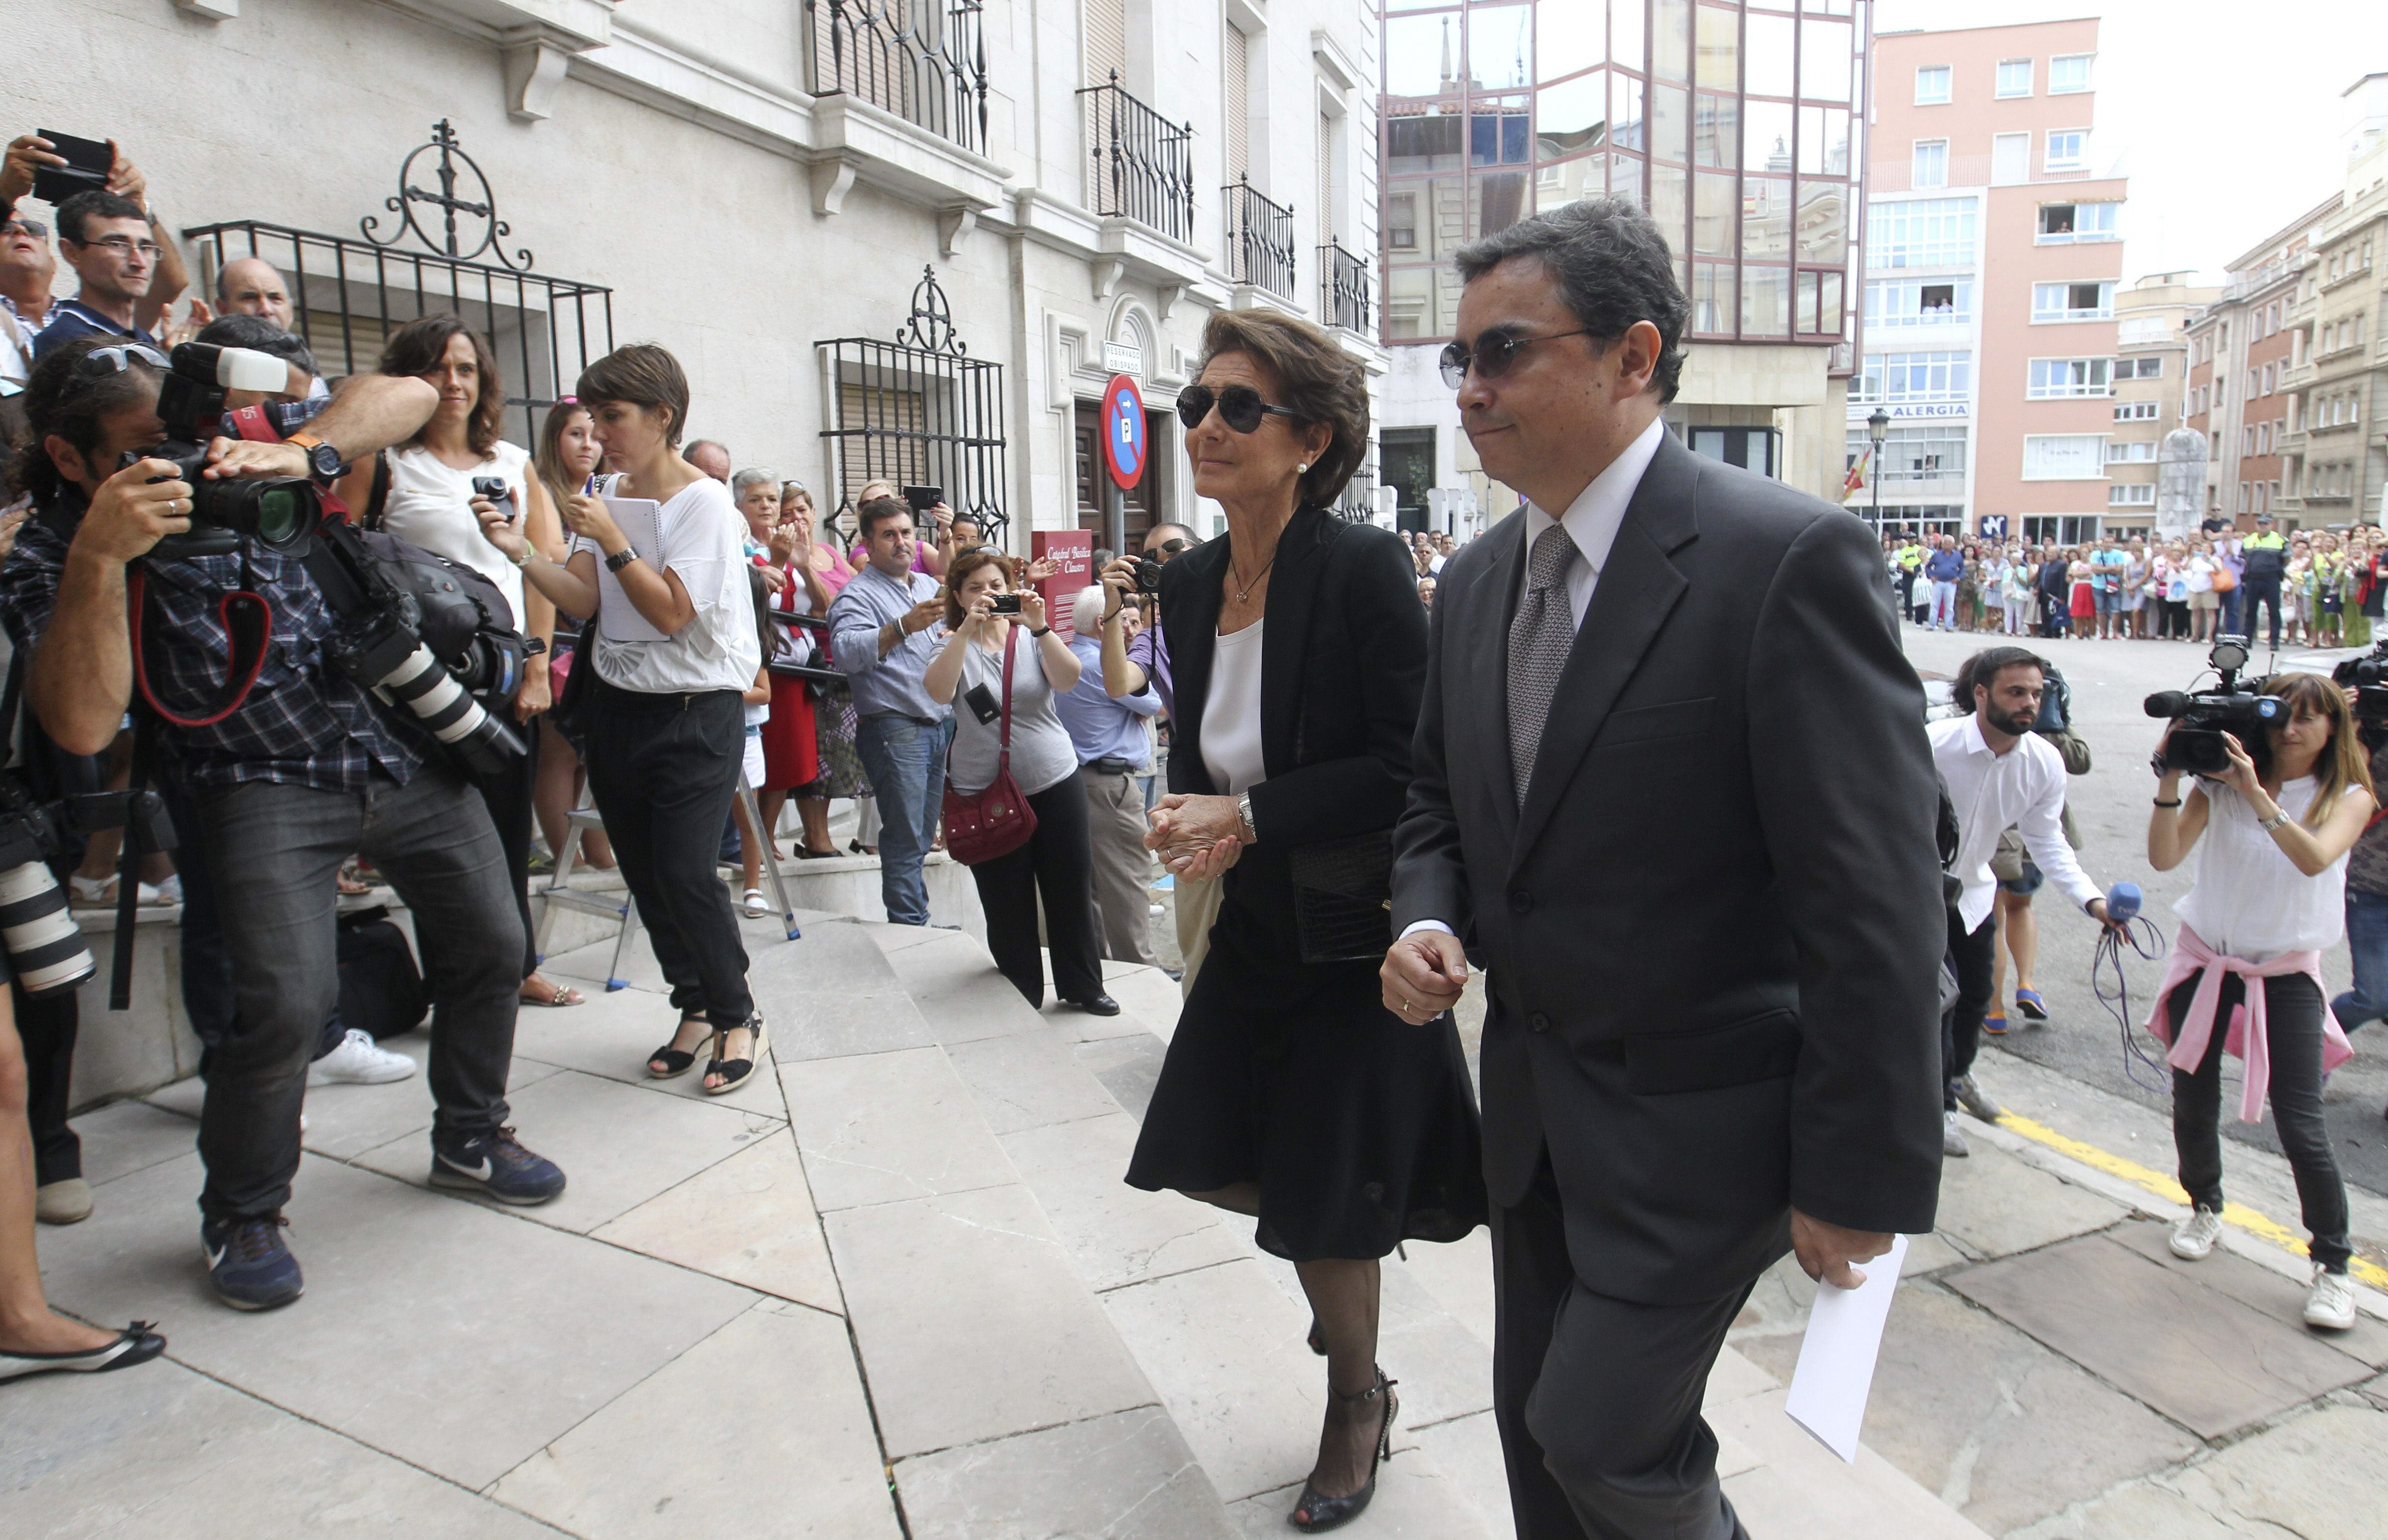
point(1314, 1513)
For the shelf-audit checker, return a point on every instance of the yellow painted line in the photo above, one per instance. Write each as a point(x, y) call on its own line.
point(2263, 1227)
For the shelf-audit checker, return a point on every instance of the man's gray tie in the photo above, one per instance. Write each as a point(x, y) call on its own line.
point(1540, 640)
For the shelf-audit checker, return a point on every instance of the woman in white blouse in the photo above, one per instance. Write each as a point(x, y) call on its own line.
point(428, 498)
point(667, 728)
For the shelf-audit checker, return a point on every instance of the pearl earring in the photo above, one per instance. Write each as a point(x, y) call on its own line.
point(1302, 469)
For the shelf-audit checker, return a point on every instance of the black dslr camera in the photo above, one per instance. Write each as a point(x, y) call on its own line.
point(2203, 716)
point(279, 512)
point(2365, 680)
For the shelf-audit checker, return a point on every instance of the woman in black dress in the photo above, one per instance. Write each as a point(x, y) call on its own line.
point(1291, 1093)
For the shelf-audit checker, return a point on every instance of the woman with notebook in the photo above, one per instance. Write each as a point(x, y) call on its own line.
point(656, 556)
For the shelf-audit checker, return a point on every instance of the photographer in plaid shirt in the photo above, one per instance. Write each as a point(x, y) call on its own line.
point(309, 768)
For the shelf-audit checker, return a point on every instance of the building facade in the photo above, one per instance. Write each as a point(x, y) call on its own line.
point(2150, 385)
point(910, 238)
point(2335, 449)
point(2246, 350)
point(1993, 259)
point(1739, 127)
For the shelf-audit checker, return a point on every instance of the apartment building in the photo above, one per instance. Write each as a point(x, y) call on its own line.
point(1738, 126)
point(2246, 350)
point(1993, 259)
point(2150, 385)
point(2335, 453)
point(907, 240)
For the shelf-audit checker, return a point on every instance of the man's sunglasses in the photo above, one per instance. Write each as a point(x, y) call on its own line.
point(122, 356)
point(20, 226)
point(1241, 407)
point(1493, 353)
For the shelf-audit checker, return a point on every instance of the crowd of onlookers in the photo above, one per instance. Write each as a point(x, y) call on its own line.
point(2318, 589)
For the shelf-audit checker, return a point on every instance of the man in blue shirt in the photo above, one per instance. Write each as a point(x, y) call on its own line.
point(108, 241)
point(1944, 566)
point(885, 626)
point(1114, 751)
point(2106, 564)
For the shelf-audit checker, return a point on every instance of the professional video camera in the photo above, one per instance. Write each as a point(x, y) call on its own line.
point(279, 512)
point(46, 948)
point(417, 629)
point(2195, 746)
point(2365, 680)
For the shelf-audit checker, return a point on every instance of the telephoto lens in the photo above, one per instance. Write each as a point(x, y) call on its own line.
point(46, 947)
point(392, 659)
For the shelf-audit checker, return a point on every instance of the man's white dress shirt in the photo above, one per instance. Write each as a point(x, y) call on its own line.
point(2021, 789)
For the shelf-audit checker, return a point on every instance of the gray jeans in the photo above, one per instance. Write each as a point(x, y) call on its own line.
point(274, 852)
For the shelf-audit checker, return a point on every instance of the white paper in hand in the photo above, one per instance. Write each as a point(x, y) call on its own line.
point(1836, 1357)
point(640, 521)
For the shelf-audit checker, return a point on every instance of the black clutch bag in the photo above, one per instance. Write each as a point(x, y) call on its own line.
point(1343, 897)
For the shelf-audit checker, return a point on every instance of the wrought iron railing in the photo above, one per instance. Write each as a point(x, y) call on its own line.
point(1141, 165)
point(1260, 240)
point(1358, 503)
point(1344, 298)
point(924, 60)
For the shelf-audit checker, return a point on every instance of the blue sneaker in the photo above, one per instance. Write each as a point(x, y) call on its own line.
point(248, 1264)
point(494, 1163)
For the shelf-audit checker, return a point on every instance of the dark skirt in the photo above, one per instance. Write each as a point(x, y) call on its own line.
point(1360, 1128)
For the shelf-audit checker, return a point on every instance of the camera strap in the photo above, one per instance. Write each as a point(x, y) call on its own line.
point(247, 621)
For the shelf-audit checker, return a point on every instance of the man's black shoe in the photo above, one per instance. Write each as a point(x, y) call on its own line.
point(1097, 1005)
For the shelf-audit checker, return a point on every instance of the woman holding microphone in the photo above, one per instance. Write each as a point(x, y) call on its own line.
point(665, 718)
point(2267, 899)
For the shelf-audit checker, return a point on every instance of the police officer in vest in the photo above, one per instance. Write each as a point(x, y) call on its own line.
point(2266, 556)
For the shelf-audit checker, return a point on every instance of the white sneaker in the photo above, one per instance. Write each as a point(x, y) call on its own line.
point(1953, 1142)
point(2193, 1238)
point(2332, 1303)
point(358, 1061)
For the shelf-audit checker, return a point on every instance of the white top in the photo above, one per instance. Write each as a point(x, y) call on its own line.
point(1594, 517)
point(1042, 755)
point(2021, 789)
point(2249, 900)
point(2200, 580)
point(703, 537)
point(430, 504)
point(1231, 716)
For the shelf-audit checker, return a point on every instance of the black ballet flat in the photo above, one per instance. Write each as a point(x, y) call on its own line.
point(1316, 1514)
point(675, 1063)
point(137, 1343)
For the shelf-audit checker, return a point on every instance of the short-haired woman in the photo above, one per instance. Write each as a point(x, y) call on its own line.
point(2268, 898)
point(667, 720)
point(568, 461)
point(986, 656)
point(1289, 1093)
point(429, 500)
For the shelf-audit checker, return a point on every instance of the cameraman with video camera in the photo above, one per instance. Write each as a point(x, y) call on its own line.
point(293, 762)
point(2279, 806)
point(2366, 864)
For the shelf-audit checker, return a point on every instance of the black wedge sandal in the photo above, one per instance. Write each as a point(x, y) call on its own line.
point(735, 1073)
point(1315, 1514)
point(674, 1062)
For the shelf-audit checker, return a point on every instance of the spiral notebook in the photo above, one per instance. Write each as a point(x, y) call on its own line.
point(641, 520)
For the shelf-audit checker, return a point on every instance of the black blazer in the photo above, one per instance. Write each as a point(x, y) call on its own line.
point(1342, 662)
point(1715, 927)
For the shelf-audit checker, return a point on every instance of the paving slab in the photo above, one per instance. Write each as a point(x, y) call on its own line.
point(619, 1145)
point(1800, 1489)
point(1116, 1234)
point(2193, 1353)
point(881, 1127)
point(1996, 1205)
point(452, 1336)
point(959, 993)
point(1446, 1372)
point(1128, 1474)
point(163, 1450)
point(593, 965)
point(1152, 997)
point(834, 958)
point(1224, 1347)
point(748, 1218)
point(972, 1323)
point(1028, 1080)
point(611, 1036)
point(1130, 1068)
point(345, 1120)
point(1468, 1450)
point(2281, 1297)
point(761, 1431)
point(1416, 1499)
point(2315, 1475)
point(132, 1136)
point(2002, 1429)
point(1737, 1376)
point(1458, 1274)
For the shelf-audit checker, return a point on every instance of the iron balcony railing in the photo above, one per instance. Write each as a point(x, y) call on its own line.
point(1357, 503)
point(1260, 240)
point(1142, 165)
point(924, 62)
point(1343, 297)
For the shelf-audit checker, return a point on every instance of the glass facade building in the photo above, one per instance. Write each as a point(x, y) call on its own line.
point(1738, 126)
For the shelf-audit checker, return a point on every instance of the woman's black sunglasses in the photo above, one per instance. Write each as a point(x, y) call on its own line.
point(1241, 407)
point(1493, 354)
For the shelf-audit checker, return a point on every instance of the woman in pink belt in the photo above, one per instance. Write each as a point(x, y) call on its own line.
point(2268, 898)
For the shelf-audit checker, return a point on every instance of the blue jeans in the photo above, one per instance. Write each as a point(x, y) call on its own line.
point(2229, 621)
point(1944, 602)
point(2366, 939)
point(905, 760)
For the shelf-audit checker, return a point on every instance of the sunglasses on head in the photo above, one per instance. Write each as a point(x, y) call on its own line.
point(1492, 354)
point(1241, 407)
point(123, 356)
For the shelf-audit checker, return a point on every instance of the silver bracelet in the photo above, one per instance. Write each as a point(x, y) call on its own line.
point(2279, 815)
point(1244, 812)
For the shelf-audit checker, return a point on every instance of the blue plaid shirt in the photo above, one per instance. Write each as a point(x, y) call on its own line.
point(304, 723)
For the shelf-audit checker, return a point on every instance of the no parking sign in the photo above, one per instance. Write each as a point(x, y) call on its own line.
point(1124, 444)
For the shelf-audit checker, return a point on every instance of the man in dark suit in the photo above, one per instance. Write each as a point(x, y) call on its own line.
point(1672, 788)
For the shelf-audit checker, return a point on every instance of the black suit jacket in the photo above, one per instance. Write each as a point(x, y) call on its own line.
point(1714, 928)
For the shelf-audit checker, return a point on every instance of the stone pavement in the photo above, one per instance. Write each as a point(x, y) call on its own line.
point(897, 1288)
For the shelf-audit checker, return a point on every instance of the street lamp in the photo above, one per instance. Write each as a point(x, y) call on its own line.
point(1878, 430)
